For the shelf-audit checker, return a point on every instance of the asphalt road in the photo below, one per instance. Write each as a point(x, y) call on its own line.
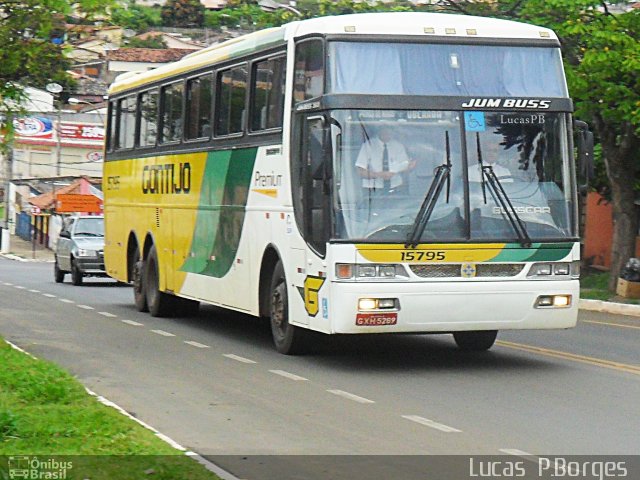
point(215, 384)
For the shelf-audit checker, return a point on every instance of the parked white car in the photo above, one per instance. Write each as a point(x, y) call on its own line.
point(80, 249)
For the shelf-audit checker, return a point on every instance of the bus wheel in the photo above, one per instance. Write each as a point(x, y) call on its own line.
point(287, 338)
point(139, 296)
point(160, 304)
point(475, 341)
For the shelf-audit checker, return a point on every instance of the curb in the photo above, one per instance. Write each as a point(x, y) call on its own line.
point(212, 467)
point(610, 307)
point(11, 256)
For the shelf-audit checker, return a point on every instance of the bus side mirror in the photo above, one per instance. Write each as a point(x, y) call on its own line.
point(584, 143)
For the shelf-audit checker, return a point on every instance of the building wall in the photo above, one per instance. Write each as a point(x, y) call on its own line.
point(598, 232)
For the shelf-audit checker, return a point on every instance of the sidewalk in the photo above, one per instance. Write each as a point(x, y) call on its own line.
point(23, 251)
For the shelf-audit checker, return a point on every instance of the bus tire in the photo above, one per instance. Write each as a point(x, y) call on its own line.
point(76, 274)
point(475, 341)
point(139, 294)
point(160, 304)
point(288, 339)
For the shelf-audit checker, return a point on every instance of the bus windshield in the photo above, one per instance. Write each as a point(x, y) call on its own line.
point(499, 176)
point(375, 68)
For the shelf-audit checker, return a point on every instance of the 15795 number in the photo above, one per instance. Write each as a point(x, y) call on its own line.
point(422, 255)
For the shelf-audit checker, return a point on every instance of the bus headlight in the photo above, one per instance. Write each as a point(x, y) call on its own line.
point(553, 301)
point(557, 271)
point(367, 304)
point(355, 271)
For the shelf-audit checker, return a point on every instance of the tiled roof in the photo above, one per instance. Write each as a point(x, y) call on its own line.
point(47, 200)
point(148, 55)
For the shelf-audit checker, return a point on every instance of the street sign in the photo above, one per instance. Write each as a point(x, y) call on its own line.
point(78, 203)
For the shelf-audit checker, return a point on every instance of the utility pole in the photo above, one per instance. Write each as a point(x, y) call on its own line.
point(56, 89)
point(8, 176)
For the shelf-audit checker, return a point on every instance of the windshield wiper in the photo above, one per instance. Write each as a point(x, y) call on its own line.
point(88, 234)
point(442, 175)
point(501, 198)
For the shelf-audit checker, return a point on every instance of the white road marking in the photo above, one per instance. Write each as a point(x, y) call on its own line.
point(85, 307)
point(66, 300)
point(288, 375)
point(107, 314)
point(7, 283)
point(515, 452)
point(34, 291)
point(19, 287)
point(131, 322)
point(48, 295)
point(350, 396)
point(163, 333)
point(238, 358)
point(196, 344)
point(430, 423)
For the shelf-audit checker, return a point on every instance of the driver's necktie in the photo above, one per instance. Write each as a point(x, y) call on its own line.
point(385, 166)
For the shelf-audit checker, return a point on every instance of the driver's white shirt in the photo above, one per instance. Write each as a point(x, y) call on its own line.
point(503, 173)
point(370, 158)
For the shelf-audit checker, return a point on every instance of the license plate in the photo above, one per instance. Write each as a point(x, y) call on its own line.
point(376, 319)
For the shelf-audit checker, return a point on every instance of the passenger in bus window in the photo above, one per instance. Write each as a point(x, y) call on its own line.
point(381, 163)
point(495, 156)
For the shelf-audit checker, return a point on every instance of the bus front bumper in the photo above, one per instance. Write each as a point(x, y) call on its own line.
point(448, 307)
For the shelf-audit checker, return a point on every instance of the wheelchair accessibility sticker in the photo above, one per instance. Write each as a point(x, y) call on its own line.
point(474, 121)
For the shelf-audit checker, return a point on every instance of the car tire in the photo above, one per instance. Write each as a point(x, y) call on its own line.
point(160, 304)
point(76, 274)
point(478, 341)
point(58, 275)
point(288, 339)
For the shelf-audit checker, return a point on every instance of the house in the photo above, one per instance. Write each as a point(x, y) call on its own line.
point(109, 34)
point(173, 40)
point(141, 59)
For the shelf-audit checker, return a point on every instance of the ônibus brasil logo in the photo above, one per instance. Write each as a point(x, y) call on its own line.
point(33, 468)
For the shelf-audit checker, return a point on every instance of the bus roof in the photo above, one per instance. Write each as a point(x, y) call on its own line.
point(417, 24)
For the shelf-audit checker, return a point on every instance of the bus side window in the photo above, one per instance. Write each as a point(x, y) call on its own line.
point(199, 107)
point(267, 104)
point(148, 118)
point(111, 126)
point(231, 95)
point(127, 122)
point(172, 113)
point(308, 81)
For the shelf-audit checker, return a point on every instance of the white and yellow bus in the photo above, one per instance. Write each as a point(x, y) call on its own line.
point(373, 173)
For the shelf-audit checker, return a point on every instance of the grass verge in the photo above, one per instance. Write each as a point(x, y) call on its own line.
point(45, 412)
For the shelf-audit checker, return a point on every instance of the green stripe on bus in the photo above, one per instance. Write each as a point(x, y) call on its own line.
point(538, 252)
point(221, 212)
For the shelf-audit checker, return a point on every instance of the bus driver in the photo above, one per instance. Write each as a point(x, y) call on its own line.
point(381, 163)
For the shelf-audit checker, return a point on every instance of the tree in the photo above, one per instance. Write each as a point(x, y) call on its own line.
point(136, 17)
point(150, 42)
point(182, 13)
point(602, 62)
point(30, 54)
